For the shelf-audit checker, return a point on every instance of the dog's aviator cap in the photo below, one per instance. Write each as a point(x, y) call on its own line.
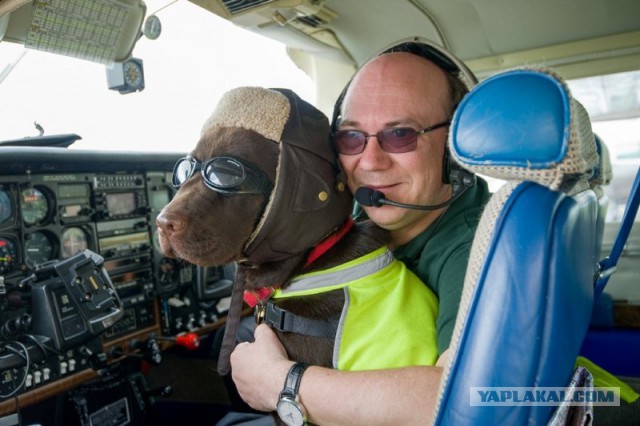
point(309, 199)
point(254, 108)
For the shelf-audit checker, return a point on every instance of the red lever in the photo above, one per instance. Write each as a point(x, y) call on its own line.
point(190, 341)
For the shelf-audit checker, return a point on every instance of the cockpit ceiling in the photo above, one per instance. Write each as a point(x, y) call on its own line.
point(579, 38)
point(489, 35)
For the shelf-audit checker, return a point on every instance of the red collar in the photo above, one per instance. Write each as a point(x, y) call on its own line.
point(323, 246)
point(252, 298)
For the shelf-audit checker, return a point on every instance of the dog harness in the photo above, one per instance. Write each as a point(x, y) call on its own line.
point(388, 319)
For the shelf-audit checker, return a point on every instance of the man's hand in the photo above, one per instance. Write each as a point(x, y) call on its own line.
point(331, 396)
point(259, 369)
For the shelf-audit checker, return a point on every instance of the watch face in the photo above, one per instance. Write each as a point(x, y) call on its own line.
point(290, 412)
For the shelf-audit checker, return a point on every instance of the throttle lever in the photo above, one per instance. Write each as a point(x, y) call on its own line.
point(190, 341)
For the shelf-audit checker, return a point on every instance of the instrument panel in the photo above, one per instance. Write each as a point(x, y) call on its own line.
point(56, 203)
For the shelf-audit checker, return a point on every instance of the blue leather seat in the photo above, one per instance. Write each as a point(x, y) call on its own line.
point(528, 292)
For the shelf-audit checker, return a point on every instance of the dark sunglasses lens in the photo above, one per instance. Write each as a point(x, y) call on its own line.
point(350, 142)
point(224, 173)
point(182, 171)
point(398, 139)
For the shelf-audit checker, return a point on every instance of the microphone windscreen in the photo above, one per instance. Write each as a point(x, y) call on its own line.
point(363, 196)
point(369, 197)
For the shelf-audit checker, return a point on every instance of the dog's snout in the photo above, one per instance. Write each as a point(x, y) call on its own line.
point(170, 225)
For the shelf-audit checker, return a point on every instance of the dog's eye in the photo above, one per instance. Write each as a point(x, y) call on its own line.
point(182, 172)
point(225, 172)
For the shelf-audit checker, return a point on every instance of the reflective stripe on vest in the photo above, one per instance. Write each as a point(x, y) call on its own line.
point(389, 316)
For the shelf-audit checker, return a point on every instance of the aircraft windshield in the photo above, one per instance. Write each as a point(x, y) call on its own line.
point(197, 58)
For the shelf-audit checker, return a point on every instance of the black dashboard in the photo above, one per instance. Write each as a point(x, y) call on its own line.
point(56, 203)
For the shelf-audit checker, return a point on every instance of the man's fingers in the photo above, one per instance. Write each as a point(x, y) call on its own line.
point(263, 331)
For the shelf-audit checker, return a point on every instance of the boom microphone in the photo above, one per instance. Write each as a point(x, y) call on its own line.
point(371, 198)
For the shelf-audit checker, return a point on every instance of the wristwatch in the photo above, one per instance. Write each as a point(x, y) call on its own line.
point(289, 407)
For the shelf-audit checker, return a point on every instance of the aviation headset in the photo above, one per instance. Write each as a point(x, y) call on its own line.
point(444, 60)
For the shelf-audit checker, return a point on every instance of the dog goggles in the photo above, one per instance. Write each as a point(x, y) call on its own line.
point(395, 140)
point(227, 175)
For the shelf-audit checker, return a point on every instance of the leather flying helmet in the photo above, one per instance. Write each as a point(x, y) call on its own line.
point(310, 198)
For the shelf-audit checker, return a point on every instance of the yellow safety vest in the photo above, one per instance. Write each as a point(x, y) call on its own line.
point(389, 316)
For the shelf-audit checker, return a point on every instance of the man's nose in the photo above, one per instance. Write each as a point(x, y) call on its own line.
point(373, 156)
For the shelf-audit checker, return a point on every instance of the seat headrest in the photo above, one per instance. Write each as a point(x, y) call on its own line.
point(524, 124)
point(603, 172)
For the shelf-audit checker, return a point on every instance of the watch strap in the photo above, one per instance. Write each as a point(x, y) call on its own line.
point(293, 379)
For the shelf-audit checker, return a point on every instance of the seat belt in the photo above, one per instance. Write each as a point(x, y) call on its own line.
point(608, 265)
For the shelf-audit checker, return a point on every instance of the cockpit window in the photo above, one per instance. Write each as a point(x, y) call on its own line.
point(197, 58)
point(613, 103)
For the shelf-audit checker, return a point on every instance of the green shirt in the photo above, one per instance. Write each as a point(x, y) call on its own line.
point(439, 255)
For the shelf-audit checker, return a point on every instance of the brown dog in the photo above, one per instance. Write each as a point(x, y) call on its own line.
point(263, 188)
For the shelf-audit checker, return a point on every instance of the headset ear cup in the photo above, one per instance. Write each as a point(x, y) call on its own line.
point(456, 176)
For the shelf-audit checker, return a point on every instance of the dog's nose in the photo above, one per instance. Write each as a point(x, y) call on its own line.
point(170, 225)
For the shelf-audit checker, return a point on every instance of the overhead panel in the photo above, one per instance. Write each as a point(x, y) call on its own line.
point(279, 19)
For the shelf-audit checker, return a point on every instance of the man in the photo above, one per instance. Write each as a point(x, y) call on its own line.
point(415, 97)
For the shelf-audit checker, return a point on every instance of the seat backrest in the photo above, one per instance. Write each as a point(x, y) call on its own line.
point(528, 291)
point(602, 175)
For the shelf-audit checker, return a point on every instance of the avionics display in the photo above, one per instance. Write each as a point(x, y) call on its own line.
point(121, 203)
point(73, 199)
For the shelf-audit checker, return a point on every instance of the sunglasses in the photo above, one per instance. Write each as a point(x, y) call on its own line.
point(227, 175)
point(395, 140)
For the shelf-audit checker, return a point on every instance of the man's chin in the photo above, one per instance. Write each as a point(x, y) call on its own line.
point(385, 216)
